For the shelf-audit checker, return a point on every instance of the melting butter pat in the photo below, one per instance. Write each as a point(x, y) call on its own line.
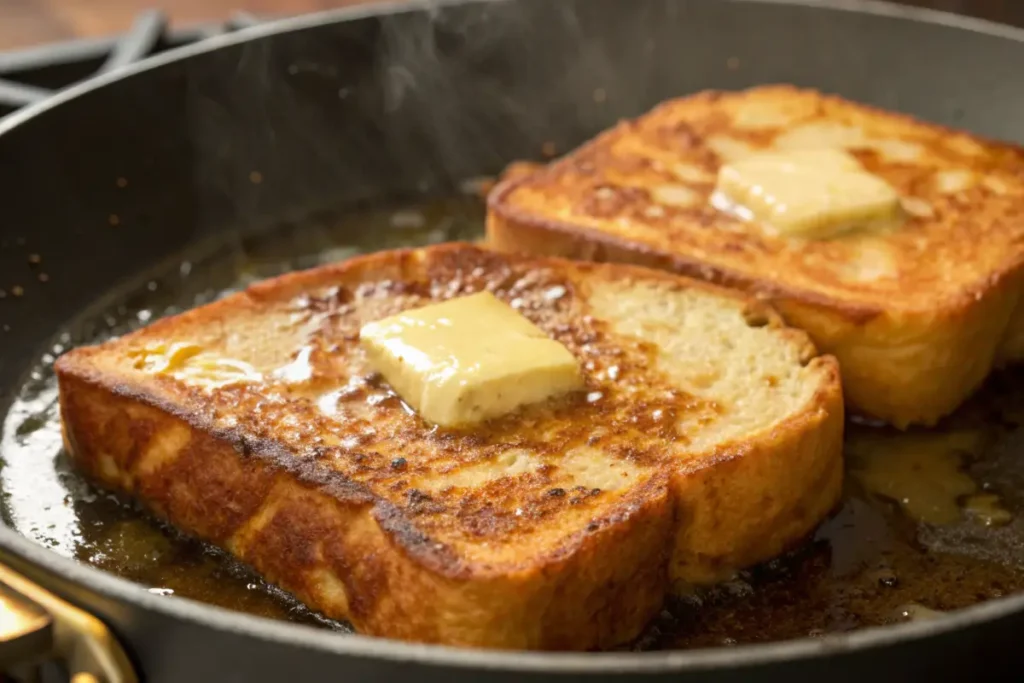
point(189, 363)
point(813, 193)
point(468, 359)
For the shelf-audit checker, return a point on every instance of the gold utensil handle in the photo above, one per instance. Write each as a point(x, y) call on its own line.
point(36, 626)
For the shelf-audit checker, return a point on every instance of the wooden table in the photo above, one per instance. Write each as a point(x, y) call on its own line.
point(28, 22)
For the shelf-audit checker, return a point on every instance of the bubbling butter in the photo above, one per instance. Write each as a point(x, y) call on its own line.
point(810, 193)
point(468, 359)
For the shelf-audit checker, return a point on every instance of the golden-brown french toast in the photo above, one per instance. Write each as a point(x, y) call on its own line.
point(707, 438)
point(917, 313)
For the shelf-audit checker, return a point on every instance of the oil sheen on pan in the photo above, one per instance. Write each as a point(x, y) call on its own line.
point(932, 520)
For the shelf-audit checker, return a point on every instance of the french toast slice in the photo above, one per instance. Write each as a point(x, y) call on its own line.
point(708, 438)
point(917, 315)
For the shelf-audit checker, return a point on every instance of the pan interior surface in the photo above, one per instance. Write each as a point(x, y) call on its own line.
point(932, 520)
point(318, 112)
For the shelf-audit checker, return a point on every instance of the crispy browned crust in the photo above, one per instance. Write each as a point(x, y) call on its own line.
point(351, 556)
point(912, 349)
point(747, 504)
point(346, 545)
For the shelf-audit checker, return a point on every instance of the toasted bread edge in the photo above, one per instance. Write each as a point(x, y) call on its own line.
point(351, 556)
point(770, 491)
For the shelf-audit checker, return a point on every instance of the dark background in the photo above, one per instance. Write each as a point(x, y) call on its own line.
point(27, 22)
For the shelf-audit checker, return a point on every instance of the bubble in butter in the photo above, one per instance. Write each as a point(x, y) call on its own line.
point(468, 359)
point(811, 193)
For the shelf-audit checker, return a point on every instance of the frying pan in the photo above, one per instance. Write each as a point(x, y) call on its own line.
point(410, 100)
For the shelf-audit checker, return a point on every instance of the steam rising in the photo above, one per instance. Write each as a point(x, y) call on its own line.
point(426, 95)
point(415, 101)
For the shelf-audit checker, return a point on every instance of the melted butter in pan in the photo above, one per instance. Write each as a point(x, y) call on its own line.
point(922, 472)
point(930, 522)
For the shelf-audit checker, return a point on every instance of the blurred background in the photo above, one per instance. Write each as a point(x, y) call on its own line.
point(29, 22)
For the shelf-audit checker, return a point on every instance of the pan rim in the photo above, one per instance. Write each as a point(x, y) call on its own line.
point(354, 645)
point(391, 7)
point(321, 640)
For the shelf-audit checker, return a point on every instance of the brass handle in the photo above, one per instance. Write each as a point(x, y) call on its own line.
point(36, 625)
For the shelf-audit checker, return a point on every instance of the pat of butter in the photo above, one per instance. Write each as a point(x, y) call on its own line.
point(468, 359)
point(814, 193)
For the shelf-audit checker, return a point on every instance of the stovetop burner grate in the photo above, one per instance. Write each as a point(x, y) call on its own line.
point(31, 75)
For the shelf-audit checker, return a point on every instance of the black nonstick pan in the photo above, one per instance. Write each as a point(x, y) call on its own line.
point(161, 186)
